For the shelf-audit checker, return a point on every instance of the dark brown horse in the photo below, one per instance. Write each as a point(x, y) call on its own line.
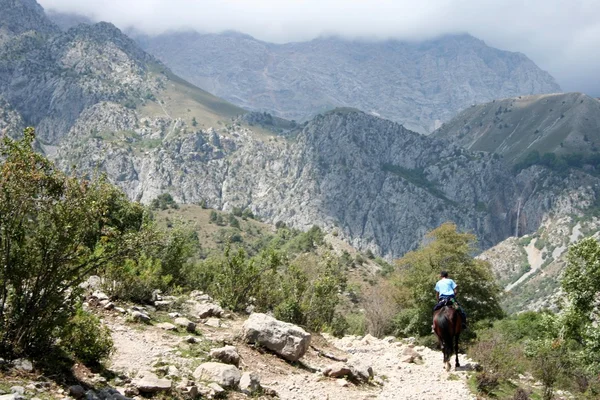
point(447, 325)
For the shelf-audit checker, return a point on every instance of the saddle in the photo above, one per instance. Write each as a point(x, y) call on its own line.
point(450, 302)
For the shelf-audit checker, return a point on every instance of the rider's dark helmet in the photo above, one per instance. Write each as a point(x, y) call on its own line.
point(444, 274)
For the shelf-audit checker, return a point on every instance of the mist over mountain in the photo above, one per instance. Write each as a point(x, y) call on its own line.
point(418, 84)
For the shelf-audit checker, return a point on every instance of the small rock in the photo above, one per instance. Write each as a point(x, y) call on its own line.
point(337, 370)
point(22, 364)
point(121, 310)
point(109, 306)
point(162, 304)
point(77, 391)
point(361, 373)
point(250, 383)
point(208, 310)
point(167, 326)
point(216, 389)
point(185, 323)
point(190, 391)
point(343, 383)
point(172, 371)
point(140, 316)
point(214, 322)
point(410, 355)
point(100, 295)
point(225, 375)
point(17, 390)
point(174, 315)
point(227, 355)
point(147, 382)
point(190, 339)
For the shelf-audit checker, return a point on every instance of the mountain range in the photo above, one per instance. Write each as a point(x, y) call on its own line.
point(102, 103)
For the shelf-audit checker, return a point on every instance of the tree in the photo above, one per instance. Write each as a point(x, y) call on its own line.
point(54, 230)
point(418, 271)
point(581, 284)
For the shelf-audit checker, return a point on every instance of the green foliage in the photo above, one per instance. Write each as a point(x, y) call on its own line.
point(558, 163)
point(581, 284)
point(164, 201)
point(54, 231)
point(415, 176)
point(357, 324)
point(420, 270)
point(163, 263)
point(86, 338)
point(233, 221)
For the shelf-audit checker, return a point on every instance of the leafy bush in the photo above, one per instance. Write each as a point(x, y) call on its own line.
point(86, 338)
point(357, 324)
point(54, 231)
point(164, 201)
point(418, 271)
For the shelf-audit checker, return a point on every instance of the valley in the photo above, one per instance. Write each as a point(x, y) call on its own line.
point(320, 186)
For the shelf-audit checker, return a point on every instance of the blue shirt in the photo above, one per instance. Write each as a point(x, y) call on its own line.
point(445, 287)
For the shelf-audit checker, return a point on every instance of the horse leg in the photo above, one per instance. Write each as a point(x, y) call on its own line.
point(457, 364)
point(447, 355)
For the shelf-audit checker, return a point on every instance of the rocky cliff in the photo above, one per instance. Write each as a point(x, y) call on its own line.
point(418, 84)
point(101, 103)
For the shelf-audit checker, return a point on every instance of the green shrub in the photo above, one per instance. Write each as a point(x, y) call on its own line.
point(357, 324)
point(54, 231)
point(339, 326)
point(86, 338)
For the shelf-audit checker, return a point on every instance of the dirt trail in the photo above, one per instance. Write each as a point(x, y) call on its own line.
point(138, 347)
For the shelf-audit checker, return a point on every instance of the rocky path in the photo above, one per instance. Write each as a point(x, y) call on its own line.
point(138, 348)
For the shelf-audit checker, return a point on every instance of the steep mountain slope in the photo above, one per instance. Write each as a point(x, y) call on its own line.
point(381, 186)
point(101, 103)
point(417, 84)
point(50, 77)
point(564, 123)
point(20, 16)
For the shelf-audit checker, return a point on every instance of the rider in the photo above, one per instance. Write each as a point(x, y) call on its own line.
point(446, 288)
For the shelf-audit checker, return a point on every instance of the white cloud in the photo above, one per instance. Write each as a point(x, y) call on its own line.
point(561, 36)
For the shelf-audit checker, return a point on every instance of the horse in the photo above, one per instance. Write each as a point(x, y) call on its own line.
point(447, 325)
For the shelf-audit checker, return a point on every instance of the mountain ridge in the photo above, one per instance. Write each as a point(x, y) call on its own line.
point(298, 80)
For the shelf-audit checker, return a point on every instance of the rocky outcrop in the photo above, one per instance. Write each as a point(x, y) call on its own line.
point(417, 84)
point(286, 340)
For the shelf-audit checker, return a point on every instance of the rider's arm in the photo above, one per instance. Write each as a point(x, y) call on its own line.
point(456, 290)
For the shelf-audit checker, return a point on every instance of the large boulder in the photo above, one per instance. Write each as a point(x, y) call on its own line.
point(286, 340)
point(225, 375)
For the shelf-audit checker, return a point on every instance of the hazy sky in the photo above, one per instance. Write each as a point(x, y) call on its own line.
point(561, 36)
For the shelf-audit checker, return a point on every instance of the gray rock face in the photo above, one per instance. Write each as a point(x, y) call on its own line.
point(225, 375)
point(416, 84)
point(99, 102)
point(286, 340)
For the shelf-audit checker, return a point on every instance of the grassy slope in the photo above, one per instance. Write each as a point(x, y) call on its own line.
point(561, 123)
point(181, 99)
